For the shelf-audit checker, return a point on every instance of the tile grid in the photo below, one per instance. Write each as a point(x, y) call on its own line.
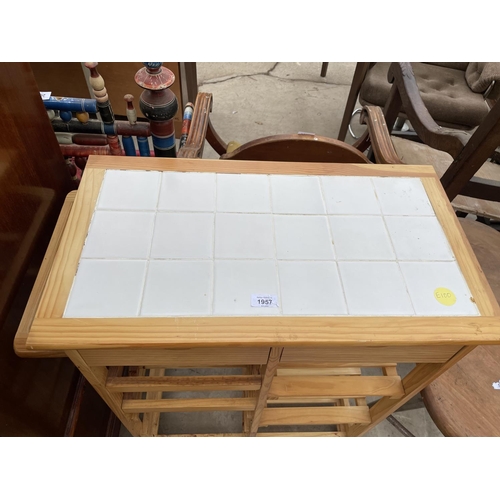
point(325, 213)
point(148, 260)
point(333, 243)
point(394, 249)
point(276, 267)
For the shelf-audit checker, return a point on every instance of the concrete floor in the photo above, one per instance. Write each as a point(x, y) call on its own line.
point(253, 100)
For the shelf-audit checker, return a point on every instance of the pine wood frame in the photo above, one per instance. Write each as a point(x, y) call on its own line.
point(264, 345)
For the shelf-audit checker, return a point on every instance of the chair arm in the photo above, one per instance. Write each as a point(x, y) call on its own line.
point(483, 189)
point(380, 139)
point(435, 136)
point(199, 124)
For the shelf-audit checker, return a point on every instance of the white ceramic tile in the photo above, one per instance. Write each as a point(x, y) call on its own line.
point(303, 237)
point(349, 195)
point(187, 192)
point(375, 289)
point(244, 236)
point(178, 288)
point(402, 196)
point(183, 236)
point(243, 193)
point(129, 190)
point(311, 288)
point(362, 237)
point(292, 194)
point(418, 238)
point(237, 280)
point(106, 289)
point(119, 235)
point(425, 278)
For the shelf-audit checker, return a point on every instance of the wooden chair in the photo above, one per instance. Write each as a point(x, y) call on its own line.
point(458, 95)
point(293, 147)
point(462, 402)
point(461, 159)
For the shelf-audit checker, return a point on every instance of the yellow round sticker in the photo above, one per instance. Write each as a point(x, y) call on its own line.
point(445, 296)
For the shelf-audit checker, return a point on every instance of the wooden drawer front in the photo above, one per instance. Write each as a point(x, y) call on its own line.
point(366, 356)
point(177, 358)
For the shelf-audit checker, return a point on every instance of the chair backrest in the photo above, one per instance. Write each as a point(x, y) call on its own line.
point(297, 148)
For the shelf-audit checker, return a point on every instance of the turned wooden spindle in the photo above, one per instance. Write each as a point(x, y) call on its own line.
point(159, 105)
point(104, 107)
point(128, 141)
point(131, 113)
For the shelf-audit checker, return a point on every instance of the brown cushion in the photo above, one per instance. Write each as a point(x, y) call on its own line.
point(415, 153)
point(479, 76)
point(462, 66)
point(444, 91)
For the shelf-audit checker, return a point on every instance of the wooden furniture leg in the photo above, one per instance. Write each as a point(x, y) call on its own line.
point(267, 379)
point(151, 420)
point(357, 80)
point(97, 376)
point(324, 69)
point(422, 375)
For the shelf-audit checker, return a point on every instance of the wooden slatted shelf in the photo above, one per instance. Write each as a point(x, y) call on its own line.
point(297, 396)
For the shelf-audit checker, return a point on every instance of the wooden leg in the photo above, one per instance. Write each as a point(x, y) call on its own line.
point(267, 379)
point(247, 415)
point(96, 376)
point(413, 383)
point(151, 420)
point(357, 80)
point(214, 139)
point(324, 69)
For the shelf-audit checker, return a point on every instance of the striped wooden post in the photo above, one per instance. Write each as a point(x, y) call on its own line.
point(104, 107)
point(159, 105)
point(128, 141)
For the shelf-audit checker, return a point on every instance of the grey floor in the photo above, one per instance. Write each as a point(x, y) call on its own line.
point(253, 100)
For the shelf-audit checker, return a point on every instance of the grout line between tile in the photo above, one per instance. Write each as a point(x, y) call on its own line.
point(160, 177)
point(212, 306)
point(335, 259)
point(273, 215)
point(394, 250)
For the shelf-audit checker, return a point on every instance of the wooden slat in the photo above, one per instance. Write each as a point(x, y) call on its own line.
point(151, 420)
point(181, 384)
point(257, 167)
point(209, 357)
point(315, 416)
point(263, 434)
point(296, 372)
point(473, 274)
point(267, 379)
point(60, 280)
point(248, 415)
point(336, 387)
point(321, 365)
point(302, 400)
point(180, 405)
point(187, 332)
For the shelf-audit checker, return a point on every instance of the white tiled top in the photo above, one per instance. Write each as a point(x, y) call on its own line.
point(201, 244)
